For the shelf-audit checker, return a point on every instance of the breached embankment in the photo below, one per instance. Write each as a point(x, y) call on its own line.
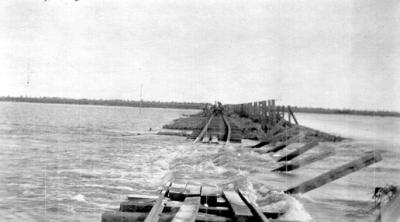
point(250, 129)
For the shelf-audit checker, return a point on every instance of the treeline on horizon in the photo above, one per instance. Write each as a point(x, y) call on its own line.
point(181, 105)
point(105, 102)
point(344, 111)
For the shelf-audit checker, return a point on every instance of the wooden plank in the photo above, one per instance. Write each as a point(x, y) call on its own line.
point(188, 210)
point(298, 151)
point(202, 217)
point(157, 208)
point(219, 211)
point(209, 195)
point(139, 204)
point(118, 216)
point(240, 210)
point(192, 190)
point(284, 144)
point(176, 191)
point(292, 165)
point(390, 212)
point(254, 209)
point(141, 197)
point(146, 205)
point(368, 159)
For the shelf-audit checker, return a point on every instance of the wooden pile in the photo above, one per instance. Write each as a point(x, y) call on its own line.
point(264, 112)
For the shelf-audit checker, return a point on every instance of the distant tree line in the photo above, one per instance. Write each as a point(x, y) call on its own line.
point(105, 102)
point(345, 111)
point(181, 105)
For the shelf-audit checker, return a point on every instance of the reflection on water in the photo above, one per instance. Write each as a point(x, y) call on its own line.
point(71, 162)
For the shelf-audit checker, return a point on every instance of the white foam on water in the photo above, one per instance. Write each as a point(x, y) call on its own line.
point(296, 211)
point(210, 167)
point(79, 197)
point(250, 192)
point(163, 164)
point(292, 209)
point(305, 196)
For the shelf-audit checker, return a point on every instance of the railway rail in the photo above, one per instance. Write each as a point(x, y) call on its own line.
point(218, 127)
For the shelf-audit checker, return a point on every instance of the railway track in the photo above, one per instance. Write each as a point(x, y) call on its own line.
point(218, 127)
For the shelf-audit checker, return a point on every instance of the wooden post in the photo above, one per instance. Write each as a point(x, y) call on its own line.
point(368, 159)
point(291, 113)
point(298, 151)
point(264, 114)
point(269, 123)
point(273, 111)
point(255, 114)
point(278, 112)
point(292, 165)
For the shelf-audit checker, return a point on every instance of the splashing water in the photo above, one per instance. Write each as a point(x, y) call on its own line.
point(70, 162)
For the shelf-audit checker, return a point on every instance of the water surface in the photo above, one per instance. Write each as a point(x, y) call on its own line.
point(73, 162)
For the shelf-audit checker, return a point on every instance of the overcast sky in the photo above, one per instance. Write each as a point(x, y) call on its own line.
point(331, 53)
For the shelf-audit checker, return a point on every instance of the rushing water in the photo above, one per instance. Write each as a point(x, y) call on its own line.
point(73, 162)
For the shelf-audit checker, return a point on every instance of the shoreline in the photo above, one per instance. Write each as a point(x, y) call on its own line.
point(183, 105)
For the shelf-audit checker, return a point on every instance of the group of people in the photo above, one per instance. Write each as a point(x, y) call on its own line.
point(217, 108)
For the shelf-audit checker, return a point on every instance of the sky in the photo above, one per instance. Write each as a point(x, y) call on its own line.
point(330, 53)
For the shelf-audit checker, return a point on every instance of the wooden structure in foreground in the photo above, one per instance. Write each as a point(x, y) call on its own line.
point(183, 202)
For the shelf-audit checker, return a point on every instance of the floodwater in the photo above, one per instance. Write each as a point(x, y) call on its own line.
point(73, 162)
